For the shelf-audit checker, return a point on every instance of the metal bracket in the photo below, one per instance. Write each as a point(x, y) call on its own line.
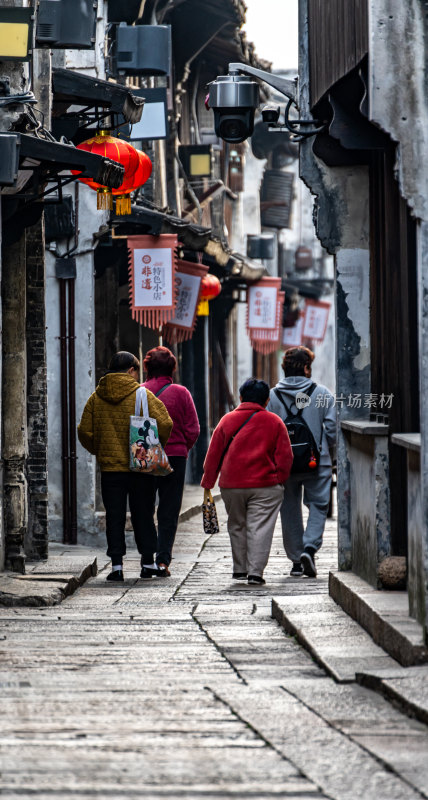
point(282, 85)
point(289, 88)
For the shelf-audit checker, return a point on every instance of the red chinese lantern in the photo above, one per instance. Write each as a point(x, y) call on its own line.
point(137, 165)
point(210, 288)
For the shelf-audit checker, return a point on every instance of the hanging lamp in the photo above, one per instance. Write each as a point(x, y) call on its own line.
point(210, 288)
point(137, 165)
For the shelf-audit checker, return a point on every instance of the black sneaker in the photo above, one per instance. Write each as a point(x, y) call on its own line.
point(296, 569)
point(239, 576)
point(256, 580)
point(308, 563)
point(117, 575)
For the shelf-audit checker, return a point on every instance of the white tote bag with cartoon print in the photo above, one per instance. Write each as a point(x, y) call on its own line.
point(146, 453)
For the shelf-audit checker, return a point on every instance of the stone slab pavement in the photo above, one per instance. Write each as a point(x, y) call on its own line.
point(186, 687)
point(47, 583)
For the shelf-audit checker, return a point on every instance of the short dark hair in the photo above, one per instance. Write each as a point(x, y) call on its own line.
point(122, 361)
point(254, 391)
point(159, 361)
point(296, 359)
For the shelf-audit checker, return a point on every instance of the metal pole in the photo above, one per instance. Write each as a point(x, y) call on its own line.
point(72, 411)
point(64, 412)
point(140, 349)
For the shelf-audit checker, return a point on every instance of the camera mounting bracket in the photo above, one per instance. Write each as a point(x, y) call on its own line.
point(283, 85)
point(289, 88)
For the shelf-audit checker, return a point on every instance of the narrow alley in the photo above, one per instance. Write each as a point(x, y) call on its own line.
point(187, 688)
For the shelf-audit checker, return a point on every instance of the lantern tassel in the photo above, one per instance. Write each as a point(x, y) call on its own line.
point(203, 308)
point(123, 204)
point(104, 200)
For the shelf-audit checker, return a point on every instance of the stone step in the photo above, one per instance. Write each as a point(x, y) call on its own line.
point(335, 641)
point(405, 687)
point(48, 583)
point(383, 614)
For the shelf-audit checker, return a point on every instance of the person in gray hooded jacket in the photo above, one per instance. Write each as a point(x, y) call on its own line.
point(319, 413)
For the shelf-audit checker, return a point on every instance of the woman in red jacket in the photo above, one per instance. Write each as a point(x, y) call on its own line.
point(253, 454)
point(160, 365)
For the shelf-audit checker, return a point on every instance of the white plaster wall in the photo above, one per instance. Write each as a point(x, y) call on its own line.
point(353, 271)
point(89, 221)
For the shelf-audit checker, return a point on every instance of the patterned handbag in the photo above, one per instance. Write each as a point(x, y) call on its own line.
point(209, 514)
point(146, 453)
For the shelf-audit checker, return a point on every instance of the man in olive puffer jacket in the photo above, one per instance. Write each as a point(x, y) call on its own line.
point(104, 432)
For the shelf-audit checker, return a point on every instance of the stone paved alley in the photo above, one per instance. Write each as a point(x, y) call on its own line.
point(187, 688)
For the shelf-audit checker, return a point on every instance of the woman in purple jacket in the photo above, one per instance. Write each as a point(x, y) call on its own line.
point(160, 365)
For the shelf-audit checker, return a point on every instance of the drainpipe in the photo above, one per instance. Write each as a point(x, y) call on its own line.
point(64, 408)
point(72, 410)
point(65, 270)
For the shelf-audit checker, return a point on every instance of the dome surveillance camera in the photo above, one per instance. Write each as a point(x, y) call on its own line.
point(233, 99)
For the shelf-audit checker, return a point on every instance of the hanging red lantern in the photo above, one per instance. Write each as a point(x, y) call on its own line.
point(137, 165)
point(210, 288)
point(139, 178)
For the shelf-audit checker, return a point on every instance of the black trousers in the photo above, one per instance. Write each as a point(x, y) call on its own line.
point(170, 490)
point(116, 489)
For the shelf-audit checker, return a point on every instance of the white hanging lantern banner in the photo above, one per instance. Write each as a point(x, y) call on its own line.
point(316, 318)
point(152, 265)
point(188, 278)
point(262, 303)
point(265, 305)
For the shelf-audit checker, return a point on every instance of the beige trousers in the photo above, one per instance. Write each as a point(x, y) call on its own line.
point(251, 518)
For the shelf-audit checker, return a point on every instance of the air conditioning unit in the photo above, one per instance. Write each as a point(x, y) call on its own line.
point(261, 245)
point(276, 199)
point(143, 49)
point(66, 23)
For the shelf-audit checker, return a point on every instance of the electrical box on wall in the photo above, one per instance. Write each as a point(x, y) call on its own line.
point(143, 49)
point(66, 23)
point(9, 159)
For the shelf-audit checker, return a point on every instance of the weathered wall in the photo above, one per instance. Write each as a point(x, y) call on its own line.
point(423, 377)
point(2, 529)
point(416, 540)
point(370, 507)
point(36, 539)
point(342, 225)
point(398, 83)
point(14, 403)
point(398, 89)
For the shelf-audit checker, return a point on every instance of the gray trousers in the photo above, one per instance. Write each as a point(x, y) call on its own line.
point(316, 497)
point(251, 518)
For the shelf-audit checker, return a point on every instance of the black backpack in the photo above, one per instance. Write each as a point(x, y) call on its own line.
point(305, 450)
